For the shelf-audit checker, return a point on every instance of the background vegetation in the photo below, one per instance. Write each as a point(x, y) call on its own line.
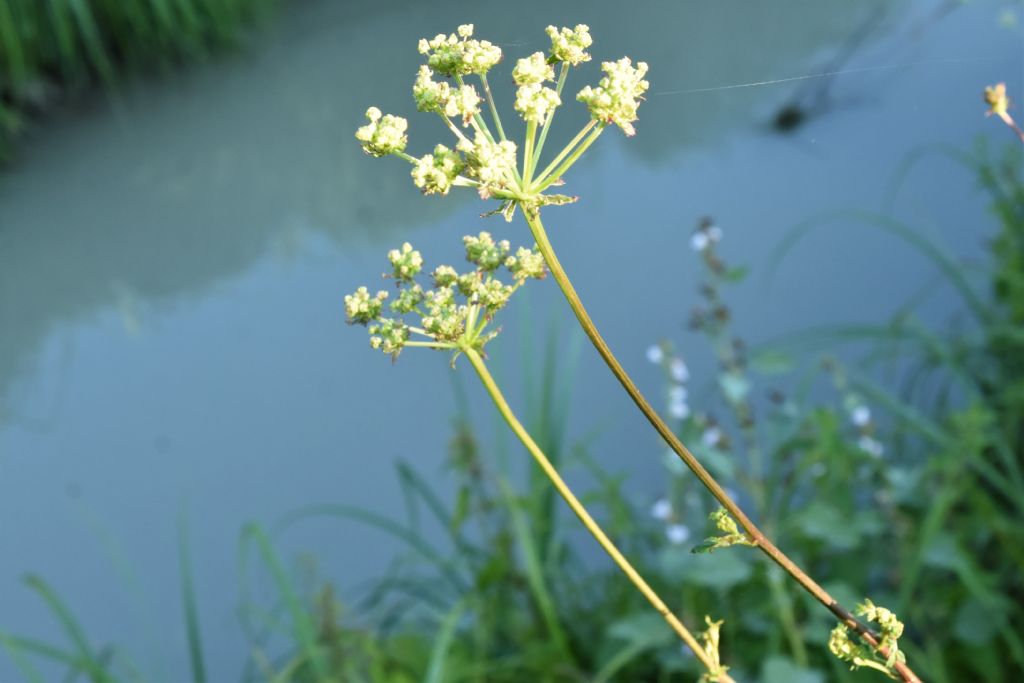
point(918, 503)
point(50, 49)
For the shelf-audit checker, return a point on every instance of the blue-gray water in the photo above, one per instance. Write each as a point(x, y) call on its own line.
point(172, 264)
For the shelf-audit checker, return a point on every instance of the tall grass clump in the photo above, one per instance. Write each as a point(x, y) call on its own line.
point(49, 48)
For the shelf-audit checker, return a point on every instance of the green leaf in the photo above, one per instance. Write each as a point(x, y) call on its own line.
point(771, 361)
point(642, 628)
point(721, 570)
point(777, 669)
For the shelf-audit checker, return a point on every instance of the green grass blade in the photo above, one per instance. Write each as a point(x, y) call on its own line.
point(92, 40)
point(16, 649)
point(303, 629)
point(12, 49)
point(535, 577)
point(447, 566)
point(188, 598)
point(944, 262)
point(439, 653)
point(412, 482)
point(86, 660)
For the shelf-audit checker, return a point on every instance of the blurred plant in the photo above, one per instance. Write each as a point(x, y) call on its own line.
point(999, 105)
point(48, 47)
point(490, 165)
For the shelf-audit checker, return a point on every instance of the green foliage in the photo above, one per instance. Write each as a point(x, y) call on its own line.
point(512, 594)
point(50, 47)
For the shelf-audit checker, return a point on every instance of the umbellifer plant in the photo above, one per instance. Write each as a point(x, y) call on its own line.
point(500, 170)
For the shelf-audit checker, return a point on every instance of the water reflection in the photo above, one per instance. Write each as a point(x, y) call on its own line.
point(171, 267)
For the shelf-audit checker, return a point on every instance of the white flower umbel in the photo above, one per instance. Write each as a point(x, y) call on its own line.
point(570, 45)
point(436, 173)
point(491, 164)
point(455, 312)
point(533, 69)
point(618, 94)
point(383, 135)
point(460, 55)
point(535, 102)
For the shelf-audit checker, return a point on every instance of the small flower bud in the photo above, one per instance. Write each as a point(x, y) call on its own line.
point(408, 299)
point(535, 102)
point(570, 45)
point(483, 251)
point(526, 264)
point(444, 276)
point(405, 262)
point(533, 69)
point(618, 94)
point(435, 173)
point(362, 308)
point(383, 135)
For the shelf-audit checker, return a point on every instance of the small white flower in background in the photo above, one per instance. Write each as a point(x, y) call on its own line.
point(677, 394)
point(861, 416)
point(677, 534)
point(699, 241)
point(871, 446)
point(655, 354)
point(679, 410)
point(817, 470)
point(678, 370)
point(711, 437)
point(661, 510)
point(714, 233)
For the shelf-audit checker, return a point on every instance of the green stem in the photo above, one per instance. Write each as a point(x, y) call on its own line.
point(479, 120)
point(494, 109)
point(543, 183)
point(568, 148)
point(758, 538)
point(547, 124)
point(411, 159)
point(581, 512)
point(531, 134)
point(788, 619)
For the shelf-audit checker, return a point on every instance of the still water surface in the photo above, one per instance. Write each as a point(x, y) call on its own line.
point(172, 265)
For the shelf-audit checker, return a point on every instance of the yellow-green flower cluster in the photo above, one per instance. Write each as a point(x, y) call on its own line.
point(460, 55)
point(486, 159)
point(526, 264)
point(362, 308)
point(454, 312)
point(534, 100)
point(730, 533)
point(435, 173)
point(405, 262)
point(570, 45)
point(618, 94)
point(440, 97)
point(843, 646)
point(383, 135)
point(491, 164)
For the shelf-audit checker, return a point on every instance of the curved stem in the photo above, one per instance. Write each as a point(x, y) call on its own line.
point(588, 521)
point(753, 532)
